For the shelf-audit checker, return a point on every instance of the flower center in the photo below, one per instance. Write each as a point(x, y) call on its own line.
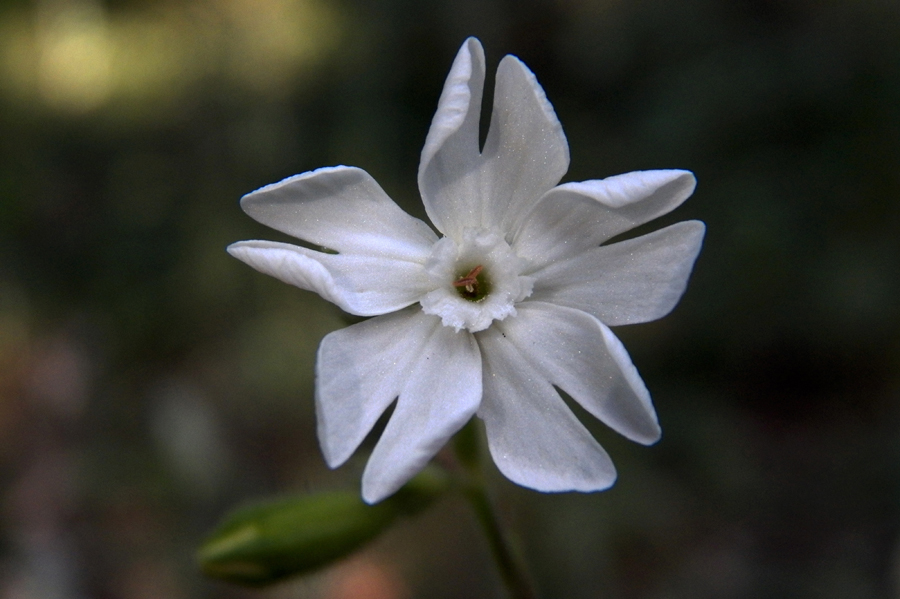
point(477, 280)
point(472, 286)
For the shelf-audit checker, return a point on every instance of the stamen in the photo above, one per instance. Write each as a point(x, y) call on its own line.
point(470, 280)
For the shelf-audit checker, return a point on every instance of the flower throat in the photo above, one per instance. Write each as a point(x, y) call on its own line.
point(473, 286)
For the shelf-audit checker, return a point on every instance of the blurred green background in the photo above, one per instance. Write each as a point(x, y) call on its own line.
point(148, 382)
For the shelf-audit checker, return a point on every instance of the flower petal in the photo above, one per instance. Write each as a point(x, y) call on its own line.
point(436, 373)
point(441, 393)
point(579, 354)
point(633, 281)
point(344, 209)
point(361, 285)
point(575, 217)
point(360, 370)
point(525, 153)
point(535, 440)
point(448, 168)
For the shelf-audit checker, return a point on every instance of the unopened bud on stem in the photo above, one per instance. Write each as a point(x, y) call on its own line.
point(263, 543)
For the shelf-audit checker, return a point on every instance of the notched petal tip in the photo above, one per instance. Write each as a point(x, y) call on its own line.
point(645, 429)
point(234, 247)
point(373, 496)
point(353, 283)
point(287, 263)
point(534, 438)
point(461, 94)
point(342, 208)
point(670, 186)
point(600, 483)
point(574, 218)
point(333, 440)
point(249, 200)
point(682, 184)
point(558, 478)
point(431, 408)
point(651, 439)
point(698, 225)
point(513, 68)
point(694, 232)
point(451, 154)
point(473, 45)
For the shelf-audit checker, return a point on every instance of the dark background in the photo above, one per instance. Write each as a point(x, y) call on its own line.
point(148, 382)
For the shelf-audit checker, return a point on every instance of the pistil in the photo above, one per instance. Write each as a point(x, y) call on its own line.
point(470, 280)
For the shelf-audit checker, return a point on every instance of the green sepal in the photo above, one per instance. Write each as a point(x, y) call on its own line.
point(266, 542)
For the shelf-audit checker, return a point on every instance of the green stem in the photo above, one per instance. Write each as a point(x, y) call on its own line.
point(511, 567)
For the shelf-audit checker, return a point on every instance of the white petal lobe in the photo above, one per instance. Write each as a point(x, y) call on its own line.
point(632, 281)
point(441, 393)
point(575, 217)
point(341, 208)
point(360, 370)
point(525, 153)
point(448, 168)
point(361, 285)
point(576, 352)
point(533, 437)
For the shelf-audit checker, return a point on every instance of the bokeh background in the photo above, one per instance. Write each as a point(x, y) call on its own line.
point(148, 382)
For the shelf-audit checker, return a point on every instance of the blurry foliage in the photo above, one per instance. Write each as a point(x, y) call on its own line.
point(148, 381)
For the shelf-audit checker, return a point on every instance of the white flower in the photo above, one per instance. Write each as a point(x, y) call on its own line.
point(514, 299)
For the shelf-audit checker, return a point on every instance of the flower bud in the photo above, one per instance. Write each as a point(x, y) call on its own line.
point(266, 542)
